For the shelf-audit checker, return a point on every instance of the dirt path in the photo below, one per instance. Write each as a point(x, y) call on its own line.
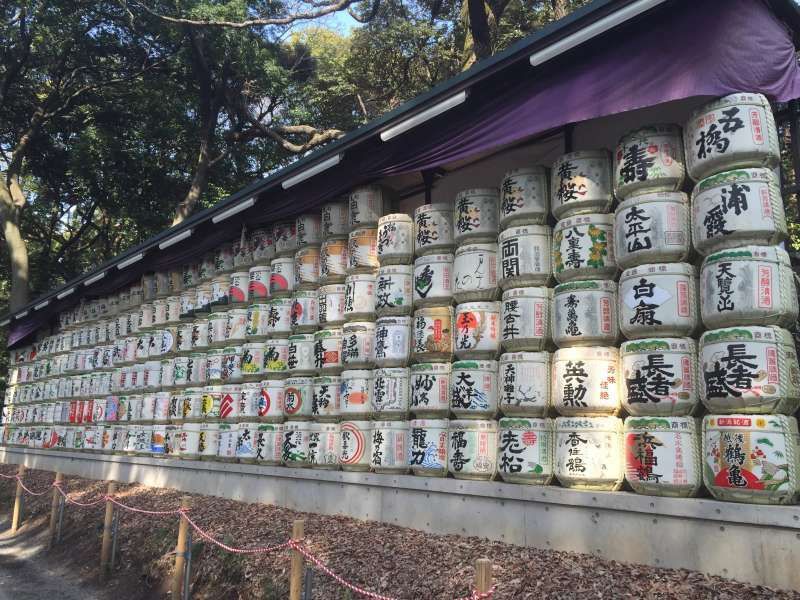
point(27, 574)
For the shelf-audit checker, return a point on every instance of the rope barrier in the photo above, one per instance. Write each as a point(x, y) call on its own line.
point(296, 545)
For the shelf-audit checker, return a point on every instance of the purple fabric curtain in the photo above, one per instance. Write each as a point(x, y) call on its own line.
point(709, 48)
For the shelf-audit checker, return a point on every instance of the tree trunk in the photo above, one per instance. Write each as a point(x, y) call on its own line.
point(199, 181)
point(479, 28)
point(17, 249)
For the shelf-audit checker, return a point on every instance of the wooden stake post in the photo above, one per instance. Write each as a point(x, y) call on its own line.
point(54, 509)
point(296, 577)
point(483, 575)
point(105, 551)
point(180, 552)
point(17, 515)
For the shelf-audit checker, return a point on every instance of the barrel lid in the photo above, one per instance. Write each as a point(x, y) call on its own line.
point(360, 277)
point(522, 230)
point(361, 229)
point(532, 170)
point(686, 425)
point(326, 333)
point(431, 367)
point(397, 424)
point(299, 381)
point(780, 423)
point(391, 372)
point(542, 357)
point(283, 259)
point(586, 352)
point(356, 326)
point(232, 349)
point(434, 258)
point(302, 337)
point(304, 294)
point(280, 301)
point(276, 341)
point(648, 197)
point(585, 219)
point(393, 217)
point(735, 176)
point(605, 285)
point(327, 379)
point(658, 344)
point(652, 269)
point(529, 292)
point(750, 253)
point(478, 424)
point(582, 155)
point(441, 423)
point(357, 374)
point(393, 321)
point(334, 288)
point(483, 365)
point(465, 306)
point(655, 129)
point(304, 251)
point(490, 247)
point(259, 305)
point(526, 423)
point(743, 333)
point(605, 423)
point(472, 192)
point(434, 207)
point(395, 270)
point(433, 311)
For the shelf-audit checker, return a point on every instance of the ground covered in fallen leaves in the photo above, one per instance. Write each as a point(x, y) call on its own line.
point(386, 559)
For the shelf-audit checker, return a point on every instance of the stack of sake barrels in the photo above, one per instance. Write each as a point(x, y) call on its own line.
point(750, 380)
point(587, 432)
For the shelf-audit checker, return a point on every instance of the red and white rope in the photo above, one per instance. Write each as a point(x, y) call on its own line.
point(206, 536)
point(75, 502)
point(8, 476)
point(29, 491)
point(142, 510)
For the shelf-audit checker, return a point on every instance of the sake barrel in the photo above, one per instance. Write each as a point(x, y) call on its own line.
point(751, 458)
point(525, 319)
point(208, 444)
point(585, 313)
point(390, 393)
point(658, 300)
point(147, 408)
point(362, 250)
point(158, 437)
point(212, 398)
point(392, 341)
point(309, 230)
point(524, 197)
point(525, 450)
point(583, 248)
point(433, 331)
point(145, 321)
point(356, 393)
point(433, 229)
point(257, 322)
point(228, 434)
point(662, 456)
point(279, 317)
point(433, 280)
point(223, 258)
point(473, 388)
point(249, 400)
point(335, 219)
point(358, 345)
point(652, 227)
point(427, 450)
point(246, 442)
point(367, 205)
point(476, 215)
point(729, 133)
point(393, 287)
point(359, 297)
point(217, 330)
point(585, 381)
point(174, 308)
point(218, 297)
point(307, 268)
point(304, 316)
point(160, 406)
point(323, 445)
point(272, 401)
point(236, 326)
point(269, 443)
point(430, 389)
point(659, 377)
point(650, 158)
point(355, 447)
point(301, 354)
point(297, 399)
point(749, 370)
point(389, 447)
point(276, 357)
point(475, 273)
point(580, 182)
point(395, 239)
point(239, 288)
point(190, 276)
point(330, 305)
point(258, 282)
point(231, 364)
point(192, 404)
point(282, 277)
point(472, 449)
point(333, 260)
point(589, 453)
point(326, 398)
point(200, 365)
point(262, 244)
point(285, 236)
point(524, 256)
point(229, 403)
point(737, 208)
point(188, 302)
point(477, 334)
point(752, 285)
point(242, 253)
point(524, 380)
